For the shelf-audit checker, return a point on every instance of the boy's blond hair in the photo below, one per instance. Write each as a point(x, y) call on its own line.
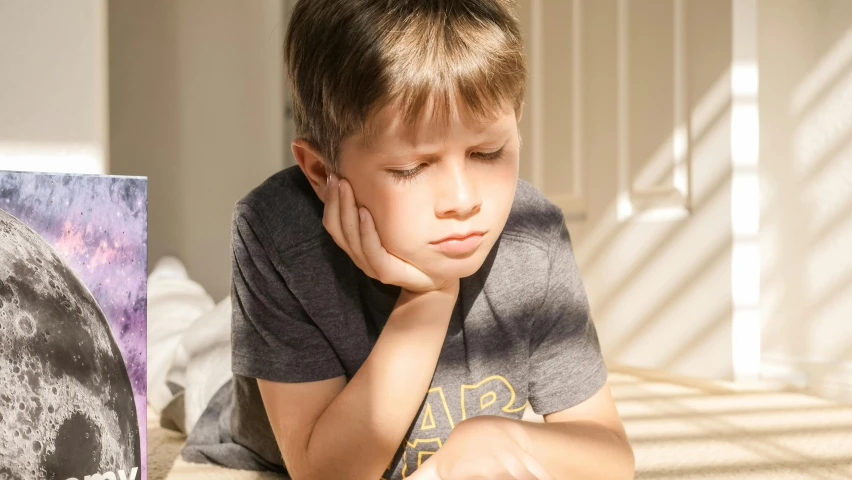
point(347, 59)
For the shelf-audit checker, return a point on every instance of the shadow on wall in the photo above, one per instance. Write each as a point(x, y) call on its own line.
point(806, 232)
point(805, 223)
point(661, 290)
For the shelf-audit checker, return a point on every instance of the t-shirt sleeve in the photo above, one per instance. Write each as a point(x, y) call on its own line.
point(272, 336)
point(566, 364)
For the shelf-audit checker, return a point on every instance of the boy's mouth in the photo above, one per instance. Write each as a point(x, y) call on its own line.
point(460, 243)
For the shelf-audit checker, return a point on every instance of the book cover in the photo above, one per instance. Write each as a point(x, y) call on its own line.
point(73, 307)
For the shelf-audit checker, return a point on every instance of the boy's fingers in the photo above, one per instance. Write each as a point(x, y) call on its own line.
point(349, 220)
point(331, 215)
point(517, 468)
point(375, 255)
point(331, 212)
point(534, 467)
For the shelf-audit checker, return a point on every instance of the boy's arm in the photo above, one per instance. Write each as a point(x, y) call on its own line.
point(330, 429)
point(587, 440)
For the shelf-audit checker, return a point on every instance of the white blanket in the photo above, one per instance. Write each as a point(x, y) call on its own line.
point(189, 342)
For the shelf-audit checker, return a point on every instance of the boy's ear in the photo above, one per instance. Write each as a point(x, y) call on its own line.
point(312, 165)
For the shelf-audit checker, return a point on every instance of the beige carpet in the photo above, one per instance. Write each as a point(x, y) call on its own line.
point(680, 428)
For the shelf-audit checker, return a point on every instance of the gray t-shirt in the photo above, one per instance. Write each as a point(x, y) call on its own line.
point(302, 311)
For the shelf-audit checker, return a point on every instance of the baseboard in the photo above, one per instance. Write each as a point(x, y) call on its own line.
point(832, 381)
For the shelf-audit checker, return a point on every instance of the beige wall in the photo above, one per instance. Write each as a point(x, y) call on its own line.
point(805, 59)
point(196, 106)
point(53, 96)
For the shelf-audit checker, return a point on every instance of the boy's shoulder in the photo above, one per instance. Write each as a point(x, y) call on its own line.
point(533, 219)
point(287, 207)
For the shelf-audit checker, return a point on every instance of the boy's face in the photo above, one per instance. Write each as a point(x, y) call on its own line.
point(425, 185)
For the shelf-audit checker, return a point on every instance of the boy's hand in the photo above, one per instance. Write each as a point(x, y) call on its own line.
point(358, 237)
point(482, 448)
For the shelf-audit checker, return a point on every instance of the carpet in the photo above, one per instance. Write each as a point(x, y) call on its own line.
point(680, 428)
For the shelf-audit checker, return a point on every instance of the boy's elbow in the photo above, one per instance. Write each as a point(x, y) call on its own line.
point(333, 472)
point(629, 469)
point(316, 464)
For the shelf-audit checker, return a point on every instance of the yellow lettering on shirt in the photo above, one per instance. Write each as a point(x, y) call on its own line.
point(488, 391)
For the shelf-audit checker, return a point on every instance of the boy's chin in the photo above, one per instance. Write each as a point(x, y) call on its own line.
point(456, 267)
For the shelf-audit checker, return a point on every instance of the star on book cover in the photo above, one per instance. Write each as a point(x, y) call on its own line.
point(73, 317)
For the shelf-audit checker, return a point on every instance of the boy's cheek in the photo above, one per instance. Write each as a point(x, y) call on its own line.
point(396, 223)
point(392, 233)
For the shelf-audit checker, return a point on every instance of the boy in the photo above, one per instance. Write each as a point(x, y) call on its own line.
point(401, 296)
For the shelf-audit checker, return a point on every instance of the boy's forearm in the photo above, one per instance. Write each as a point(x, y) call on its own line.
point(358, 434)
point(576, 450)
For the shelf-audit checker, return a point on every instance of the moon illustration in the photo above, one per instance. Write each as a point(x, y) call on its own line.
point(66, 403)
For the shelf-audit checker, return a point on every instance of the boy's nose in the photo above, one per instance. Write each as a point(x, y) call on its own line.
point(458, 194)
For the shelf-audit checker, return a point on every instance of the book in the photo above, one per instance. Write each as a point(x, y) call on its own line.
point(73, 326)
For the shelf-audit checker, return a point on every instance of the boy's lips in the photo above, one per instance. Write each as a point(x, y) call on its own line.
point(460, 244)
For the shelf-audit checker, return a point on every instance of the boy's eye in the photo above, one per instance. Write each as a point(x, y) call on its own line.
point(409, 174)
point(490, 155)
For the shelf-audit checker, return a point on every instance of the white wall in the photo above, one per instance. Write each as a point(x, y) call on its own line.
point(805, 60)
point(53, 89)
point(196, 105)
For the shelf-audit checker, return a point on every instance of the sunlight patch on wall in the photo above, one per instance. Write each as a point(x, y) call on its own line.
point(53, 158)
point(829, 68)
point(745, 193)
